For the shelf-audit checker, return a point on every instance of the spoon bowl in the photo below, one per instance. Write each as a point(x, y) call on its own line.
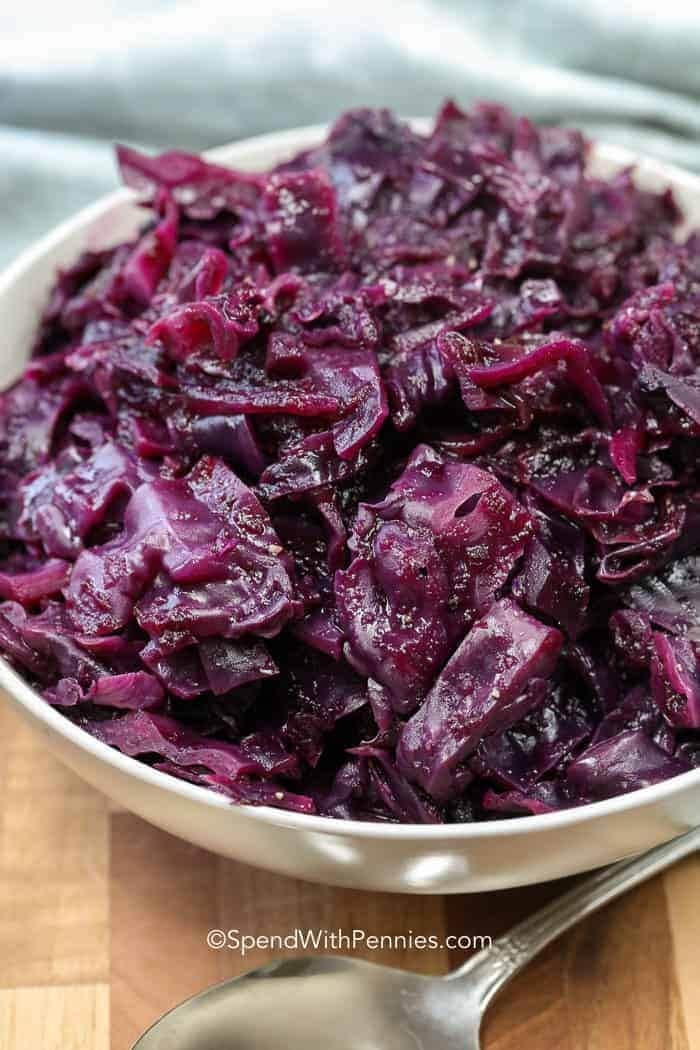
point(334, 1002)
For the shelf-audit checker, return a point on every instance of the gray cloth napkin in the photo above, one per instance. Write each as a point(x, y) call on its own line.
point(76, 76)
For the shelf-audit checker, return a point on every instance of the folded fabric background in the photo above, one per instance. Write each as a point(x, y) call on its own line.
point(76, 76)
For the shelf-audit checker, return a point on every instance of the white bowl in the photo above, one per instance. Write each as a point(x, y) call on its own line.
point(455, 858)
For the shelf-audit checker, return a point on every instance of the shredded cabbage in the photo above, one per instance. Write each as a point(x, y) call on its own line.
point(368, 486)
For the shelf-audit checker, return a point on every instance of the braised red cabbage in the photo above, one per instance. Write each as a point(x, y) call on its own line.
point(368, 486)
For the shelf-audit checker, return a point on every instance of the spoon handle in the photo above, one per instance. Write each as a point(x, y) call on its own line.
point(495, 965)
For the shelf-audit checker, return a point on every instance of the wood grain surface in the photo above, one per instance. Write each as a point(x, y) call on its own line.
point(103, 923)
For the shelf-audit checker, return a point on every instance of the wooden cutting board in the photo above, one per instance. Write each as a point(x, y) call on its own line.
point(103, 923)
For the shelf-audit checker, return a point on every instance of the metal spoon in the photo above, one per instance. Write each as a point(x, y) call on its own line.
point(347, 1004)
